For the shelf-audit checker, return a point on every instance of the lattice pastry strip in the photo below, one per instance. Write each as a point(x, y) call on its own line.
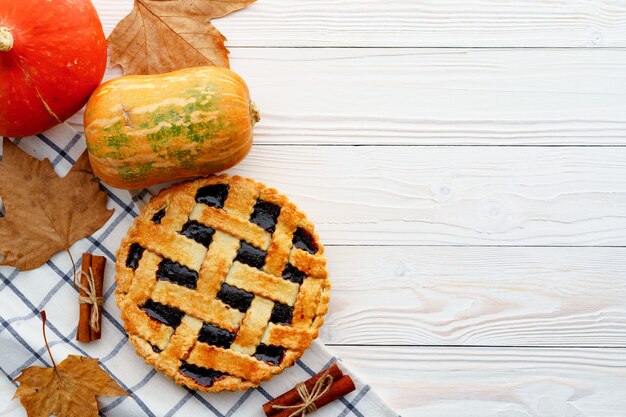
point(173, 213)
point(222, 283)
point(171, 245)
point(312, 266)
point(235, 226)
point(217, 263)
point(265, 285)
point(286, 225)
point(286, 336)
point(231, 362)
point(180, 344)
point(139, 323)
point(253, 326)
point(279, 248)
point(197, 305)
point(145, 278)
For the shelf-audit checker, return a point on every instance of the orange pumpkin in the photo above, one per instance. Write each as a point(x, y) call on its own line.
point(52, 56)
point(143, 130)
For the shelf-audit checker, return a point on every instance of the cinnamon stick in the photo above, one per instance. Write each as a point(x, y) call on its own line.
point(92, 267)
point(292, 397)
point(97, 266)
point(84, 332)
point(337, 390)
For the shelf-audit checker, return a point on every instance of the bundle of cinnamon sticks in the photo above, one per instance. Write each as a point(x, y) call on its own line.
point(91, 282)
point(293, 402)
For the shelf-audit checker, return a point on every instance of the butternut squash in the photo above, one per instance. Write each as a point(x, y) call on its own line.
point(143, 130)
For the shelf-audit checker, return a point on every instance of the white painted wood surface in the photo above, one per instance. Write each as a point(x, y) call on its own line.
point(495, 382)
point(417, 23)
point(475, 281)
point(477, 296)
point(437, 96)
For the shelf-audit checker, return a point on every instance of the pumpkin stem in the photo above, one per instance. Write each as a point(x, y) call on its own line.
point(6, 39)
point(254, 113)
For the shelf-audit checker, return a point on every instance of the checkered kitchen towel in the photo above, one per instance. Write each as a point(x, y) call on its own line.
point(23, 295)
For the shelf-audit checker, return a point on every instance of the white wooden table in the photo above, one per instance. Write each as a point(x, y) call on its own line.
point(464, 162)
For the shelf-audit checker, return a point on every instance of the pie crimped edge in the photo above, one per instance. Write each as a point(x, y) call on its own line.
point(310, 304)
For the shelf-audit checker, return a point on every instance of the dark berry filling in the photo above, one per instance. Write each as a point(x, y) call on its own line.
point(269, 353)
point(178, 274)
point(303, 240)
point(249, 255)
point(203, 376)
point(198, 232)
point(265, 215)
point(167, 315)
point(235, 297)
point(134, 255)
point(293, 274)
point(212, 195)
point(158, 216)
point(215, 336)
point(282, 314)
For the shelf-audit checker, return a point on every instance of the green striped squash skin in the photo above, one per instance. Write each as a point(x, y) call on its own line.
point(143, 130)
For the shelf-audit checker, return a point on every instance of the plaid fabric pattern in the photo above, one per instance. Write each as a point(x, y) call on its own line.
point(50, 287)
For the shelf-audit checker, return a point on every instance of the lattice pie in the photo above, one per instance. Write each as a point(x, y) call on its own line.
point(222, 283)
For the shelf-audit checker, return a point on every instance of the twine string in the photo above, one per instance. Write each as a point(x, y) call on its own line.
point(321, 387)
point(90, 297)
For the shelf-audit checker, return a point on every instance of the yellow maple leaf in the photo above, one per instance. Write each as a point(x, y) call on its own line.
point(66, 390)
point(69, 390)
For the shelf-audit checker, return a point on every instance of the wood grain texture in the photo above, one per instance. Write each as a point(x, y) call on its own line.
point(494, 382)
point(434, 96)
point(524, 296)
point(413, 23)
point(452, 195)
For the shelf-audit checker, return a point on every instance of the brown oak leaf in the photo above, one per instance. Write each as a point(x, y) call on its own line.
point(160, 36)
point(70, 390)
point(45, 214)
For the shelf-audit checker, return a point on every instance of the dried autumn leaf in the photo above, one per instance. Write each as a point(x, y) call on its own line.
point(160, 36)
point(68, 391)
point(45, 213)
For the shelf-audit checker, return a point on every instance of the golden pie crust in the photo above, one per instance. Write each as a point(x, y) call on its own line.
point(222, 283)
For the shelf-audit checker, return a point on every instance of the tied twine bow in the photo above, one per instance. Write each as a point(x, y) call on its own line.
point(321, 387)
point(90, 297)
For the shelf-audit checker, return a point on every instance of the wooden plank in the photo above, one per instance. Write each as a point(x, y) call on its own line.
point(524, 296)
point(435, 97)
point(410, 23)
point(452, 195)
point(494, 382)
